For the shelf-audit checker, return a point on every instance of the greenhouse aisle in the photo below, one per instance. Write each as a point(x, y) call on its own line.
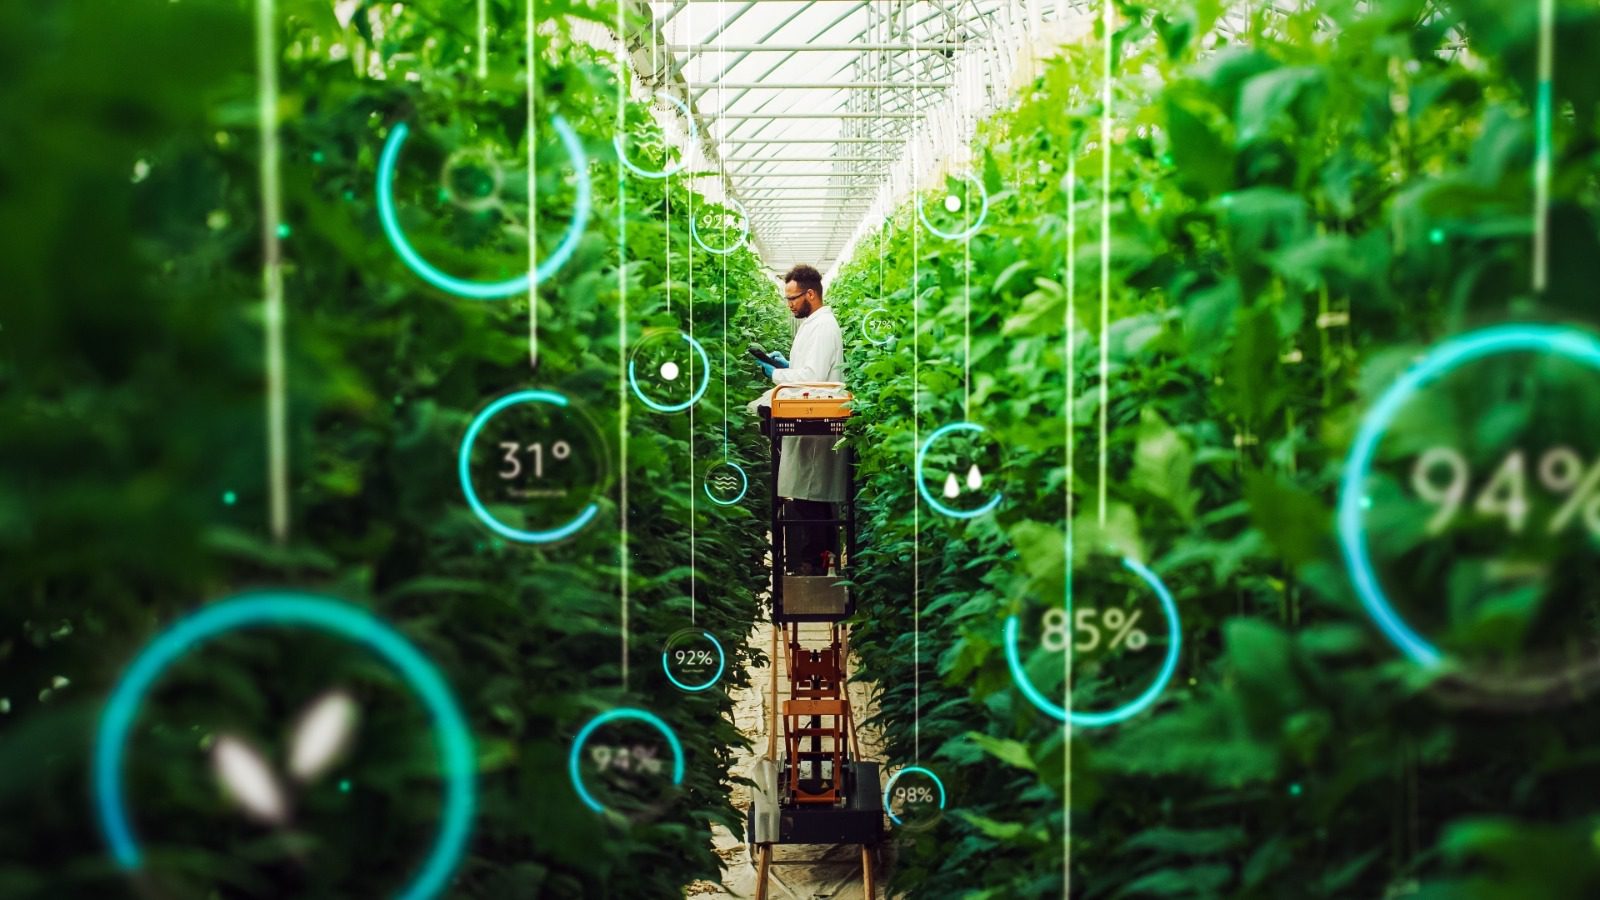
point(380, 515)
point(751, 714)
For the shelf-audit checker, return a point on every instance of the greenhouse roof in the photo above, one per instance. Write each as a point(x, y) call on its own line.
point(807, 105)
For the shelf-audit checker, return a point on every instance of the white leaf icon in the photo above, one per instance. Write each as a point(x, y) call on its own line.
point(247, 779)
point(974, 478)
point(952, 488)
point(345, 10)
point(322, 735)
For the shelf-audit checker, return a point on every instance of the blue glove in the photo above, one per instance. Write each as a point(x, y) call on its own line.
point(783, 363)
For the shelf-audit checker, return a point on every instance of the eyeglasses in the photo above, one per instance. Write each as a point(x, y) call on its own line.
point(790, 299)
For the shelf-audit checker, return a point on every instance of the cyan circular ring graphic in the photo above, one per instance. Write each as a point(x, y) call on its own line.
point(922, 487)
point(483, 290)
point(889, 786)
point(744, 230)
point(1132, 707)
point(722, 662)
point(457, 761)
point(614, 715)
point(983, 213)
point(867, 321)
point(700, 391)
point(744, 484)
point(1568, 343)
point(463, 468)
point(622, 153)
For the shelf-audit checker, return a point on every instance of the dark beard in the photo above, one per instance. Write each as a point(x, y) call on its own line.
point(804, 311)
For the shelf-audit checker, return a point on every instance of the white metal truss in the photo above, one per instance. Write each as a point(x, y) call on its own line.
point(821, 116)
point(807, 107)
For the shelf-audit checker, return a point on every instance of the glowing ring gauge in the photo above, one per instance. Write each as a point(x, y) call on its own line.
point(744, 484)
point(1169, 665)
point(457, 759)
point(464, 470)
point(744, 230)
point(622, 153)
point(983, 213)
point(922, 486)
point(1568, 343)
point(878, 314)
point(483, 290)
point(700, 391)
point(722, 662)
point(615, 715)
point(889, 786)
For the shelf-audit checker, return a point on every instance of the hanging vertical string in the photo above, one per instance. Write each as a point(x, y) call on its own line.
point(693, 548)
point(533, 197)
point(622, 347)
point(483, 39)
point(916, 433)
point(272, 272)
point(1108, 22)
point(966, 305)
point(722, 297)
point(1070, 479)
point(1544, 121)
point(722, 301)
point(655, 69)
point(668, 183)
point(880, 148)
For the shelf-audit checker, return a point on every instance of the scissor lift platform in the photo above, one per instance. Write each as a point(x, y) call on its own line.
point(817, 790)
point(859, 820)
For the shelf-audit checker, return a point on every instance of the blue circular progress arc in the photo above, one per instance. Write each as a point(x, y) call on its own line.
point(705, 381)
point(483, 290)
point(1133, 707)
point(683, 160)
point(1568, 343)
point(624, 713)
point(922, 485)
point(464, 470)
point(722, 661)
point(983, 213)
point(889, 786)
point(457, 760)
point(744, 485)
point(744, 230)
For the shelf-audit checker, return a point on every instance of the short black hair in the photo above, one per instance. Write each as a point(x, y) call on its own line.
point(806, 276)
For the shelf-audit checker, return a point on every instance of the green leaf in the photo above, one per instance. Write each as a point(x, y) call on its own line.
point(1294, 521)
point(1204, 161)
point(1012, 753)
point(1163, 464)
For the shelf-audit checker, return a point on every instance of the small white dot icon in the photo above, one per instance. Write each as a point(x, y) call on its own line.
point(952, 203)
point(669, 371)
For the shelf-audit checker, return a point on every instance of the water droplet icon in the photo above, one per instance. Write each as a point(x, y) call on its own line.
point(952, 488)
point(974, 478)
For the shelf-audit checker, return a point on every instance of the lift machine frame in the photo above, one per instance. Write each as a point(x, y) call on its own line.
point(818, 790)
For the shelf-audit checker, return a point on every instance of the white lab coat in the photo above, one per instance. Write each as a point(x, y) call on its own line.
point(810, 468)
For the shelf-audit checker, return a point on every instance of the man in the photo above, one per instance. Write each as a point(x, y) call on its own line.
point(811, 474)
